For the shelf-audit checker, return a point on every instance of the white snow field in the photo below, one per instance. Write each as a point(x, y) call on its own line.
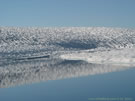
point(30, 54)
point(91, 44)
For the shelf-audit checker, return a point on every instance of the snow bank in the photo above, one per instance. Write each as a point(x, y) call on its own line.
point(121, 56)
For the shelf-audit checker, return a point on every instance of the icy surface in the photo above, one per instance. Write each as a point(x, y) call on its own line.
point(38, 54)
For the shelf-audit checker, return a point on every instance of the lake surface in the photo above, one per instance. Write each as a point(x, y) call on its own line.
point(61, 80)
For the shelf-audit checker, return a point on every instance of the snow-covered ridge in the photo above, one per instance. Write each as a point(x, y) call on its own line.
point(27, 42)
point(14, 38)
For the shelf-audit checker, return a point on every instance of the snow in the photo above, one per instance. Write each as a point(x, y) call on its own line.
point(17, 42)
point(122, 56)
point(20, 39)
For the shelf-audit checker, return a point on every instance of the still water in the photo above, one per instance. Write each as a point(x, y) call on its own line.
point(64, 80)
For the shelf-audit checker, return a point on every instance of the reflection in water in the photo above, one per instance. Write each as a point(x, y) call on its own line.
point(24, 72)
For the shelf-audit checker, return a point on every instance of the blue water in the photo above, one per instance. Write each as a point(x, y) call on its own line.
point(109, 85)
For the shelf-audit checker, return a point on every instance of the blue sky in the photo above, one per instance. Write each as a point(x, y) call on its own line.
point(51, 13)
